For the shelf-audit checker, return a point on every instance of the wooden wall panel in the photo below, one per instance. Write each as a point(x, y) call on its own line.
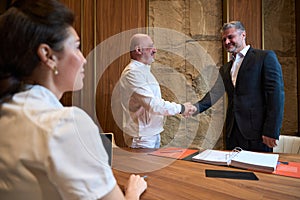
point(67, 99)
point(297, 12)
point(250, 14)
point(85, 98)
point(114, 17)
point(96, 21)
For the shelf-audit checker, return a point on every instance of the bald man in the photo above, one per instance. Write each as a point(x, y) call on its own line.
point(142, 105)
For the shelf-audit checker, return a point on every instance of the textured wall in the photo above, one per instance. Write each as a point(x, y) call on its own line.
point(280, 36)
point(190, 51)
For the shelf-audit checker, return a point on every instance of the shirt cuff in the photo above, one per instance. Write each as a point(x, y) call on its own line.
point(182, 109)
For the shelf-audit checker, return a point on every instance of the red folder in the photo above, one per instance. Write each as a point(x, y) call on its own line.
point(291, 169)
point(174, 152)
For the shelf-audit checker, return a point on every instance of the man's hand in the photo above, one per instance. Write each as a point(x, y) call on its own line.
point(270, 142)
point(189, 109)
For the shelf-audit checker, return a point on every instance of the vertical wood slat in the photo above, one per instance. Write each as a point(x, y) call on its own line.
point(114, 17)
point(250, 14)
point(297, 12)
point(66, 100)
point(85, 98)
point(95, 22)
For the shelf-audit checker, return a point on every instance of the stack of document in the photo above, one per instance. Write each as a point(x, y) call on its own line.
point(264, 162)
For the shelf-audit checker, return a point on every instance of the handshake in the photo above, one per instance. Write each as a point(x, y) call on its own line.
point(189, 109)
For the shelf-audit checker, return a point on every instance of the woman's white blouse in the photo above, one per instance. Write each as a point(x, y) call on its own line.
point(63, 142)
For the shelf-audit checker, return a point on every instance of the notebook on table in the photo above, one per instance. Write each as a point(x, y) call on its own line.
point(255, 161)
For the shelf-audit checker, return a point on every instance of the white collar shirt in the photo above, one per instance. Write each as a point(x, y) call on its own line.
point(237, 61)
point(142, 104)
point(62, 142)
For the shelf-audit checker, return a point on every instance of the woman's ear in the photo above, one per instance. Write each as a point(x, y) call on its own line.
point(46, 56)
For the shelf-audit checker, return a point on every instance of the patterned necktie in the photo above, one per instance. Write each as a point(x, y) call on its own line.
point(237, 61)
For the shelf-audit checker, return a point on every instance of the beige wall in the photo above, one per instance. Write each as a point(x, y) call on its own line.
point(189, 53)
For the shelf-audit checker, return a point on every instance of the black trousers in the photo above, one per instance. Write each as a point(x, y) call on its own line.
point(236, 139)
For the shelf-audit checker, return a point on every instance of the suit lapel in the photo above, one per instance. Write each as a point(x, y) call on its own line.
point(249, 55)
point(245, 64)
point(227, 75)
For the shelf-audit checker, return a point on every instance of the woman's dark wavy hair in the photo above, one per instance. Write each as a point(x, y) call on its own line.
point(23, 27)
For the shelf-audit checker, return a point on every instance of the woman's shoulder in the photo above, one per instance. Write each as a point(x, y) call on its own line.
point(41, 106)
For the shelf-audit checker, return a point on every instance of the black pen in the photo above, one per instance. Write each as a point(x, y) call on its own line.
point(285, 163)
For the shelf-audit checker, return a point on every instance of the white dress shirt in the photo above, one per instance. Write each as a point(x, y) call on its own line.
point(142, 105)
point(238, 59)
point(61, 141)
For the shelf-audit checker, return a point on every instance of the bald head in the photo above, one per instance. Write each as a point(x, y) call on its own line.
point(138, 40)
point(142, 48)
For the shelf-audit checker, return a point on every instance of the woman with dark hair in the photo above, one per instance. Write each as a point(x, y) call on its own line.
point(40, 59)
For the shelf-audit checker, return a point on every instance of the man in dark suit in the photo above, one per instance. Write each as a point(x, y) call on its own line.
point(254, 86)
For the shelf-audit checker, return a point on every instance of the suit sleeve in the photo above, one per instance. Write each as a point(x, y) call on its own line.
point(210, 98)
point(274, 95)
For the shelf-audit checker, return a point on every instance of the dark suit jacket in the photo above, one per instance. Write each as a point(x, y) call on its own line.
point(257, 101)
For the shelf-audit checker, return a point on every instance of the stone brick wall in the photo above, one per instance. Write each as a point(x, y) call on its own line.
point(186, 34)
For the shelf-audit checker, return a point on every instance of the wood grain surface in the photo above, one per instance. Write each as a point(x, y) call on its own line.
point(180, 180)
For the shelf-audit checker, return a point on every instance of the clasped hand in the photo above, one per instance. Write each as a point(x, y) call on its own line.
point(189, 110)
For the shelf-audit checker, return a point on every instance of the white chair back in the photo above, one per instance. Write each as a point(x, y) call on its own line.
point(288, 144)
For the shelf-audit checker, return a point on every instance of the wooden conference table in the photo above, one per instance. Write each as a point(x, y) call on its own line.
point(170, 179)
